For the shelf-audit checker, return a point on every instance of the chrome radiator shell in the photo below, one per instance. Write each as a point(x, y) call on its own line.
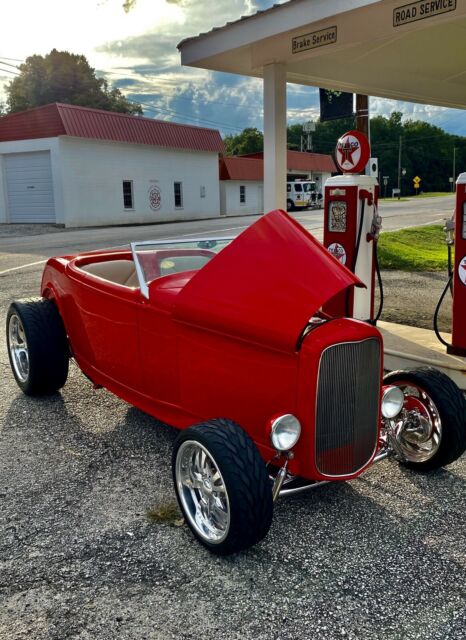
point(347, 407)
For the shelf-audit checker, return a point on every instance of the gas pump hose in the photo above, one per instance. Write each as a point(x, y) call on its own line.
point(380, 283)
point(439, 304)
point(356, 253)
point(377, 268)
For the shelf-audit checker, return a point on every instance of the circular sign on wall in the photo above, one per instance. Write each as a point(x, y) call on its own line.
point(338, 251)
point(352, 152)
point(155, 198)
point(462, 270)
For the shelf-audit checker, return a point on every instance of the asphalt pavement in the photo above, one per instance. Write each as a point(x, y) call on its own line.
point(91, 547)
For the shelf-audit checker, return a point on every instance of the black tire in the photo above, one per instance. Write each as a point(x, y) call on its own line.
point(46, 343)
point(451, 406)
point(245, 479)
point(289, 205)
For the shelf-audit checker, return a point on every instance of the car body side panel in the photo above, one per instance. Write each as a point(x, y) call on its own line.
point(265, 285)
point(245, 382)
point(159, 354)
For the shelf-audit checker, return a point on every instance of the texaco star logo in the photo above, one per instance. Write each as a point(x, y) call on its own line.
point(349, 152)
point(338, 251)
point(462, 270)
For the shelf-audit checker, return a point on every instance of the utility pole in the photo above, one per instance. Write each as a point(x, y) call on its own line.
point(362, 115)
point(399, 167)
point(454, 168)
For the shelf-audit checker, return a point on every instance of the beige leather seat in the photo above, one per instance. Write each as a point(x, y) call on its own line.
point(119, 271)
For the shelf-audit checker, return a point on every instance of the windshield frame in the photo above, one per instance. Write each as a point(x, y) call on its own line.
point(143, 285)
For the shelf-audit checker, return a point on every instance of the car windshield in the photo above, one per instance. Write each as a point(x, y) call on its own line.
point(156, 259)
point(309, 186)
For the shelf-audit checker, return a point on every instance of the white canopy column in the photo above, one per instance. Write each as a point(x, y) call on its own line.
point(274, 137)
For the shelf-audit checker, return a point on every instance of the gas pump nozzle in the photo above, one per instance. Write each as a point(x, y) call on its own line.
point(449, 231)
point(376, 227)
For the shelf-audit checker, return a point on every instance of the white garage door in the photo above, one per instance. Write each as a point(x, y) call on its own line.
point(30, 187)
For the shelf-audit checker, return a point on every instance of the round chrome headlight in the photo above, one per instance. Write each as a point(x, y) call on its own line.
point(392, 402)
point(285, 432)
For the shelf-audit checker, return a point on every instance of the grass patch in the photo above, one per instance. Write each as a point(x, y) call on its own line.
point(415, 249)
point(169, 513)
point(435, 194)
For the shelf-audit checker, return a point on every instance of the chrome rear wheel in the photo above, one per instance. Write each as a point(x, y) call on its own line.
point(18, 346)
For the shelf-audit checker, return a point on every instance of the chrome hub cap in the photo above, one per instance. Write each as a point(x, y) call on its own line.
point(419, 427)
point(202, 492)
point(18, 346)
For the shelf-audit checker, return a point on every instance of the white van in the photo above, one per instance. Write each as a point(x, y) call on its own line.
point(302, 194)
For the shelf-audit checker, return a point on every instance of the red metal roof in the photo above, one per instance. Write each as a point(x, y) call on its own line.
point(251, 165)
point(64, 119)
point(299, 161)
point(238, 168)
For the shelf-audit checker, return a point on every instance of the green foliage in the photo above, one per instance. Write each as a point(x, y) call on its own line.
point(415, 249)
point(250, 140)
point(63, 77)
point(427, 150)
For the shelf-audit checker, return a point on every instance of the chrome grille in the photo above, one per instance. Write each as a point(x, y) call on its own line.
point(347, 406)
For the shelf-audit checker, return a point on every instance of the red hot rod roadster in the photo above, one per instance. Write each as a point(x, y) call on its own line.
point(229, 336)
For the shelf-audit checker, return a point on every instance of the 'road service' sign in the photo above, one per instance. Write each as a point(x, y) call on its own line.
point(420, 10)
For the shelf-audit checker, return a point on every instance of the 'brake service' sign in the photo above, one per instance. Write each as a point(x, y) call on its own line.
point(420, 10)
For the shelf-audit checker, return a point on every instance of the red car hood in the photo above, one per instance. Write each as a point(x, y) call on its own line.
point(265, 285)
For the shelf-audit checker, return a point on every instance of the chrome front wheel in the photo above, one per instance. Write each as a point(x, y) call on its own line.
point(222, 486)
point(202, 492)
point(430, 431)
point(18, 347)
point(419, 432)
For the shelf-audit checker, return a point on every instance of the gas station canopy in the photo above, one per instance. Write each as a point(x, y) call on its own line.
point(388, 48)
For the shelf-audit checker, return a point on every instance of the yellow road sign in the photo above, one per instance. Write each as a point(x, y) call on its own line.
point(417, 180)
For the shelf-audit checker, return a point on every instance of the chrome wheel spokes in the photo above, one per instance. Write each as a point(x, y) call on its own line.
point(419, 430)
point(18, 347)
point(202, 491)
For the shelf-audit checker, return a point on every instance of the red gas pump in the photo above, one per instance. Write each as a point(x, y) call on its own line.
point(352, 225)
point(458, 346)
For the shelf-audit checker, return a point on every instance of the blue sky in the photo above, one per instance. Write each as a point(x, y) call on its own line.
point(137, 53)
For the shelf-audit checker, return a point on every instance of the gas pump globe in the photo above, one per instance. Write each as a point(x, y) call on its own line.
point(352, 224)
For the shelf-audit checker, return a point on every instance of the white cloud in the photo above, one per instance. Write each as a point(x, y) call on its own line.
point(137, 52)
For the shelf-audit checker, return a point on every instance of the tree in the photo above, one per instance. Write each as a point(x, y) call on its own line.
point(427, 150)
point(250, 140)
point(60, 76)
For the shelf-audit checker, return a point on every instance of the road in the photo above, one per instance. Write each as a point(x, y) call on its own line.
point(18, 248)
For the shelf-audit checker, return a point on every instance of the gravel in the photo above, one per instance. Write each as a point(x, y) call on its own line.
point(382, 557)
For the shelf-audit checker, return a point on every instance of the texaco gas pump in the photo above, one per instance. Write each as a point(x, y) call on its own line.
point(458, 346)
point(352, 225)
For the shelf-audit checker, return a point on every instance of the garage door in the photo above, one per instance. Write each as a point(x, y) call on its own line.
point(29, 187)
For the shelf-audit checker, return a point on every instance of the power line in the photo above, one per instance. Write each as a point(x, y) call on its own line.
point(172, 112)
point(12, 59)
point(13, 73)
point(8, 64)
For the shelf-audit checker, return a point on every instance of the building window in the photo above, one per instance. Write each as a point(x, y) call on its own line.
point(242, 194)
point(128, 200)
point(178, 191)
point(202, 192)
